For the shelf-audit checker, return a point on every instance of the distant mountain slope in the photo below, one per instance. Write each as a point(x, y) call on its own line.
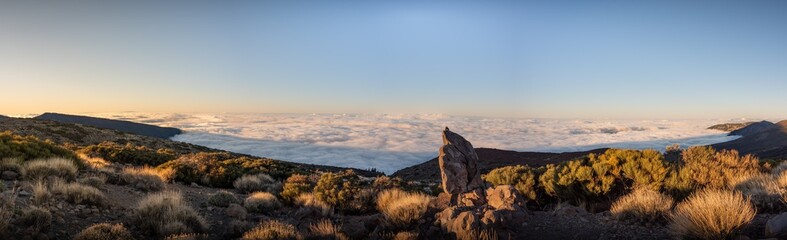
point(729, 127)
point(123, 126)
point(491, 159)
point(763, 139)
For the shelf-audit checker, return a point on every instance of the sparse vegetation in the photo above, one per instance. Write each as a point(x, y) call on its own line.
point(643, 205)
point(129, 153)
point(222, 169)
point(104, 231)
point(261, 202)
point(272, 230)
point(166, 213)
point(144, 178)
point(222, 198)
point(257, 182)
point(54, 167)
point(29, 147)
point(711, 214)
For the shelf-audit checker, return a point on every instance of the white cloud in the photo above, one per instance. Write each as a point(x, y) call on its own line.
point(392, 142)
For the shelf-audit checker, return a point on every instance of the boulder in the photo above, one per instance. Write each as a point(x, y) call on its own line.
point(459, 165)
point(458, 223)
point(504, 197)
point(777, 226)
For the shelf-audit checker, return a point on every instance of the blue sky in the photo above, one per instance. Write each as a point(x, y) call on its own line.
point(553, 59)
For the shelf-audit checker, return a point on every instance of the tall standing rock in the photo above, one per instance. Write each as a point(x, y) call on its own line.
point(459, 167)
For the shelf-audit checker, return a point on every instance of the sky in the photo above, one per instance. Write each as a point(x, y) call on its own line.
point(548, 59)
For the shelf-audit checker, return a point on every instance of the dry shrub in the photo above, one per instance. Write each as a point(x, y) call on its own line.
point(707, 167)
point(258, 182)
point(308, 200)
point(781, 168)
point(144, 178)
point(711, 214)
point(642, 204)
point(188, 236)
point(7, 207)
point(763, 190)
point(93, 181)
point(222, 198)
point(166, 213)
point(325, 229)
point(36, 218)
point(12, 164)
point(41, 193)
point(93, 162)
point(272, 230)
point(406, 236)
point(77, 193)
point(104, 231)
point(56, 167)
point(402, 208)
point(261, 202)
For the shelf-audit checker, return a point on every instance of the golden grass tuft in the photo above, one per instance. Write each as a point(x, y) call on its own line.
point(77, 193)
point(36, 218)
point(308, 200)
point(258, 182)
point(188, 236)
point(642, 204)
point(7, 208)
point(402, 208)
point(261, 202)
point(57, 167)
point(166, 213)
point(272, 230)
point(711, 214)
point(104, 231)
point(41, 193)
point(144, 178)
point(325, 229)
point(763, 190)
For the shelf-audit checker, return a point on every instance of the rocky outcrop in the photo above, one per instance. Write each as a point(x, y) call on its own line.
point(459, 170)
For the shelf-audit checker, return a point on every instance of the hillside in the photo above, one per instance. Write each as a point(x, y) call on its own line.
point(729, 127)
point(764, 139)
point(123, 126)
point(491, 159)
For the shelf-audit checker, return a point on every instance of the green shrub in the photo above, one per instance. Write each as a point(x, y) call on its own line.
point(294, 186)
point(222, 169)
point(55, 167)
point(344, 192)
point(222, 198)
point(166, 213)
point(129, 153)
point(29, 147)
point(261, 202)
point(272, 230)
point(521, 177)
point(706, 167)
point(104, 231)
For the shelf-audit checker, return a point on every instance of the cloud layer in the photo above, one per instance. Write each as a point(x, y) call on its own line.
point(391, 142)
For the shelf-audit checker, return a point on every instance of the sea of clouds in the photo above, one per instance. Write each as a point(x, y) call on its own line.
point(389, 142)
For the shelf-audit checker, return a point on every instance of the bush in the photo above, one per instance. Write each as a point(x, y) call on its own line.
point(165, 213)
point(309, 201)
point(41, 193)
point(104, 231)
point(129, 154)
point(521, 177)
point(643, 205)
point(56, 167)
point(76, 193)
point(222, 169)
point(257, 182)
point(272, 230)
point(762, 189)
point(711, 214)
point(402, 209)
point(145, 178)
point(188, 236)
point(325, 229)
point(343, 191)
point(294, 186)
point(261, 202)
point(36, 218)
point(222, 198)
point(12, 164)
point(7, 208)
point(29, 147)
point(93, 181)
point(707, 167)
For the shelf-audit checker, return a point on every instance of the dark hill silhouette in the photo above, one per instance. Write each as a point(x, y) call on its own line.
point(123, 126)
point(764, 139)
point(490, 159)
